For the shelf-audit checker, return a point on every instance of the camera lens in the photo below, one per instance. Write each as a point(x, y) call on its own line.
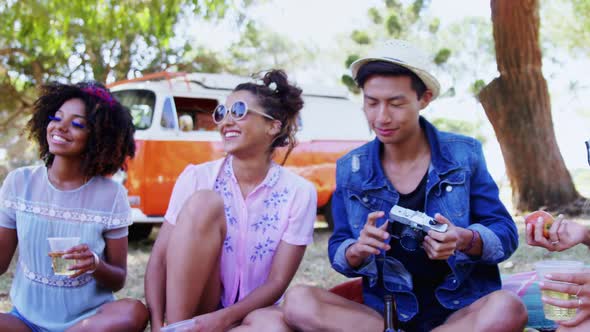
point(410, 238)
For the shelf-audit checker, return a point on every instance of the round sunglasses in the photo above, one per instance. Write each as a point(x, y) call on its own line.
point(237, 111)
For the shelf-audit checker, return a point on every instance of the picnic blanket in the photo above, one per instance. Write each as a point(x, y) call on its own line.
point(524, 284)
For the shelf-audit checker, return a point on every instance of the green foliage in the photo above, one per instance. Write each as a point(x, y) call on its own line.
point(375, 16)
point(350, 59)
point(566, 23)
point(477, 86)
point(393, 4)
point(360, 37)
point(349, 82)
point(417, 6)
point(442, 56)
point(394, 25)
point(460, 127)
point(73, 40)
point(434, 25)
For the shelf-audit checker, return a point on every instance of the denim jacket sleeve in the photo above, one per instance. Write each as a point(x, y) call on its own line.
point(489, 217)
point(342, 238)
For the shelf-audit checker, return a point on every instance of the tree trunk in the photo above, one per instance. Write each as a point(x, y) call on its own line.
point(518, 106)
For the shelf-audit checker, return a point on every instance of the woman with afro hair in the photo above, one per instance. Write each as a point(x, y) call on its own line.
point(84, 135)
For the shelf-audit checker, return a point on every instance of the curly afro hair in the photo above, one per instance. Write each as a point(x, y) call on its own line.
point(110, 139)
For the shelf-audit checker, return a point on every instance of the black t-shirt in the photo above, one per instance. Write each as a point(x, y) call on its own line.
point(427, 274)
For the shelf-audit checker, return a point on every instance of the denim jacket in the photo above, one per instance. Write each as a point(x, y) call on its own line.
point(458, 186)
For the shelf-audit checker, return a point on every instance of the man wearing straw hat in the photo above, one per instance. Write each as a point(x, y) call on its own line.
point(445, 281)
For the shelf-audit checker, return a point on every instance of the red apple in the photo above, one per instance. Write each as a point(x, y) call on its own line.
point(547, 220)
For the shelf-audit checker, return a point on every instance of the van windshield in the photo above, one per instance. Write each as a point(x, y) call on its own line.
point(141, 104)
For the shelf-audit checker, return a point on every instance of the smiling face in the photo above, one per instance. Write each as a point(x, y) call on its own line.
point(67, 131)
point(251, 135)
point(392, 107)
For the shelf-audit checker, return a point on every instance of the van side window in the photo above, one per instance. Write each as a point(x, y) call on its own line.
point(141, 105)
point(195, 114)
point(168, 115)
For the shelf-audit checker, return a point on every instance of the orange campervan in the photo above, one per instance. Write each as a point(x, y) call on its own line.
point(172, 117)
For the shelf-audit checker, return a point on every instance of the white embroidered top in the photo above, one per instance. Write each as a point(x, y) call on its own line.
point(30, 204)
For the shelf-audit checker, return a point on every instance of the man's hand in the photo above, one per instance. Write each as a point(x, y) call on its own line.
point(370, 241)
point(441, 246)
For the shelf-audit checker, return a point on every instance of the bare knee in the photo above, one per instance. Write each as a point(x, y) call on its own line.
point(202, 211)
point(130, 314)
point(301, 305)
point(506, 307)
point(136, 313)
point(266, 319)
point(122, 315)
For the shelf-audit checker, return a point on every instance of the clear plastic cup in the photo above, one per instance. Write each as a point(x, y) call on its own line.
point(57, 248)
point(181, 326)
point(556, 266)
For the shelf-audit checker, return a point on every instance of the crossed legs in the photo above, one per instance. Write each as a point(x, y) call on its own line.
point(123, 315)
point(313, 309)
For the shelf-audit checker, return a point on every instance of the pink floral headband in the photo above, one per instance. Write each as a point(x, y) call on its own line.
point(100, 93)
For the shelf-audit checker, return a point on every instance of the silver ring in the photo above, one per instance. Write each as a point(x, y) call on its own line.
point(555, 242)
point(579, 302)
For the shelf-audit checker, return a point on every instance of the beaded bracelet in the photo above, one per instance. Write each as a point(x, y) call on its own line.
point(474, 235)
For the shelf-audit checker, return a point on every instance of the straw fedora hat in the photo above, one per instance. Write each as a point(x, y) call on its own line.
point(406, 55)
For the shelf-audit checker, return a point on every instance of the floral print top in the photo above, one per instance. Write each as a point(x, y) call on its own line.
point(281, 208)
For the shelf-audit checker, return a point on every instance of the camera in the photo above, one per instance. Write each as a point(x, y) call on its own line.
point(409, 226)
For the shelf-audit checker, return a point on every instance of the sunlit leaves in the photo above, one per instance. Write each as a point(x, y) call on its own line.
point(393, 25)
point(477, 86)
point(393, 4)
point(72, 40)
point(375, 16)
point(350, 59)
point(349, 82)
point(360, 37)
point(434, 25)
point(442, 56)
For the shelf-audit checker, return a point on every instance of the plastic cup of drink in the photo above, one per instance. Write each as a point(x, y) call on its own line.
point(185, 325)
point(556, 266)
point(57, 248)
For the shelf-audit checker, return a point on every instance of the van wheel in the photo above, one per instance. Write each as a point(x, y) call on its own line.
point(138, 232)
point(327, 212)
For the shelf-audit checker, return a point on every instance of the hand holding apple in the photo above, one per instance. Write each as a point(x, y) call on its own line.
point(554, 234)
point(540, 217)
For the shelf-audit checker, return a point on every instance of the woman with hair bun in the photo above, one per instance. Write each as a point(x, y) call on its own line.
point(236, 228)
point(84, 136)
